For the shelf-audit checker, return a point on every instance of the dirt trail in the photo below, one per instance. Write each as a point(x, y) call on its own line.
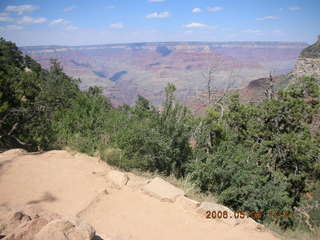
point(75, 184)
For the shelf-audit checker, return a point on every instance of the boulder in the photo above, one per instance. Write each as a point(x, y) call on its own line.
point(162, 190)
point(117, 179)
point(23, 223)
point(27, 230)
point(252, 224)
point(32, 222)
point(230, 218)
point(187, 203)
point(66, 229)
point(207, 208)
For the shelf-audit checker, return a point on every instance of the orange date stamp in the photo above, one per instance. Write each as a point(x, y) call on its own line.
point(256, 215)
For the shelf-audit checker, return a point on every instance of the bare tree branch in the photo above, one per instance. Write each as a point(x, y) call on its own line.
point(269, 92)
point(307, 218)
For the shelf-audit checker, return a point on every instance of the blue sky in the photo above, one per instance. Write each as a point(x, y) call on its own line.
point(82, 22)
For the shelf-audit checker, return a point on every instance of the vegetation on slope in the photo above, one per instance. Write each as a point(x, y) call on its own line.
point(312, 51)
point(255, 157)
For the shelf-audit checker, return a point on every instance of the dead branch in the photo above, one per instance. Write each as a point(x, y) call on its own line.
point(269, 92)
point(307, 218)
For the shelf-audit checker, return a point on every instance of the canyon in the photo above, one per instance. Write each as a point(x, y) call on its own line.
point(125, 71)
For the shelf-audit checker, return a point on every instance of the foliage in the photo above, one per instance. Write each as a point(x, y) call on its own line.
point(264, 156)
point(312, 51)
point(30, 97)
point(254, 157)
point(156, 141)
point(82, 125)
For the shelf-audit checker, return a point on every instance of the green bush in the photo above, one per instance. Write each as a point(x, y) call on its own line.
point(82, 125)
point(112, 156)
point(261, 157)
point(254, 157)
point(30, 99)
point(233, 174)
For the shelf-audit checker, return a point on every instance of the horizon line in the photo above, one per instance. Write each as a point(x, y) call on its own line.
point(162, 42)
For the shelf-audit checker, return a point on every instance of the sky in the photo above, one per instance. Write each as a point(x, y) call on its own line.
point(88, 22)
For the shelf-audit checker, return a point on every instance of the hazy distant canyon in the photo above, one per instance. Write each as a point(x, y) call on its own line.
point(127, 70)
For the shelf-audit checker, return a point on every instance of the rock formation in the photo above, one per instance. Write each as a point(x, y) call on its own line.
point(118, 205)
point(32, 222)
point(308, 64)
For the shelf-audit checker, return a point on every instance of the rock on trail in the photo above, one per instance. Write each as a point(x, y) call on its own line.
point(76, 195)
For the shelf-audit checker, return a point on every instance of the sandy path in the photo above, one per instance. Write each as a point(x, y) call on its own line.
point(56, 180)
point(71, 185)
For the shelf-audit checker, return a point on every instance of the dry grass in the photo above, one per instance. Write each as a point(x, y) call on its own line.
point(194, 193)
point(191, 191)
point(297, 234)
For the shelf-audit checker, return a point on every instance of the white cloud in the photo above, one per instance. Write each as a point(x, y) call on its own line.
point(40, 20)
point(67, 24)
point(31, 20)
point(116, 25)
point(158, 15)
point(71, 27)
point(215, 9)
point(5, 19)
point(20, 9)
point(195, 25)
point(278, 32)
point(4, 14)
point(296, 8)
point(59, 21)
point(251, 31)
point(196, 10)
point(156, 0)
point(267, 18)
point(11, 27)
point(70, 8)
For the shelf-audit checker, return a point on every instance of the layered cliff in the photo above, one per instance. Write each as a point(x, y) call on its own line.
point(125, 71)
point(308, 64)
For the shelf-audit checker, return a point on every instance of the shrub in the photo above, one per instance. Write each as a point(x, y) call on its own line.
point(254, 157)
point(112, 156)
